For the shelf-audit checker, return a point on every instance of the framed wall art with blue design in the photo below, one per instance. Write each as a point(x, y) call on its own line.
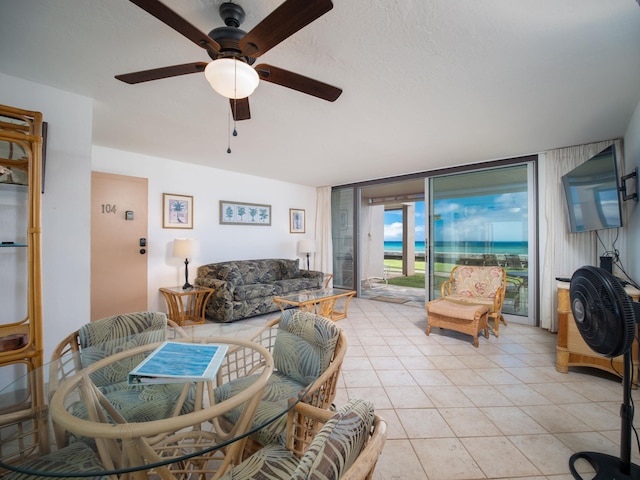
point(239, 213)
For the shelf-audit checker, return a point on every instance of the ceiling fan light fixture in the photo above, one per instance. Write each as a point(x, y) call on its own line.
point(231, 78)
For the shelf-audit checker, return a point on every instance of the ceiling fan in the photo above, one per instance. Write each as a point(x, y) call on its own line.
point(234, 51)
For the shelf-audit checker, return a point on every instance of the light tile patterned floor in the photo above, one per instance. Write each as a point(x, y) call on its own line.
point(455, 412)
point(500, 411)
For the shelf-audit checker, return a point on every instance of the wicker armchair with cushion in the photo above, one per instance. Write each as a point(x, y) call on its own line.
point(347, 445)
point(102, 338)
point(469, 286)
point(308, 351)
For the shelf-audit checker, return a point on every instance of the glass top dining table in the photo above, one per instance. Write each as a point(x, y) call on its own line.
point(171, 430)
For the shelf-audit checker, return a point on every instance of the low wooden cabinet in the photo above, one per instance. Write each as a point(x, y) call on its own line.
point(572, 350)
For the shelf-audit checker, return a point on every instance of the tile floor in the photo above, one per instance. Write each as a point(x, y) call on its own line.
point(500, 411)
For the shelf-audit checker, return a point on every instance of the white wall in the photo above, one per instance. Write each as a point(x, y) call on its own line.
point(632, 160)
point(65, 203)
point(66, 217)
point(216, 242)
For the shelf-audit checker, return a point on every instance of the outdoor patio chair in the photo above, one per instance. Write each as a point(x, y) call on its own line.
point(490, 260)
point(378, 282)
point(514, 262)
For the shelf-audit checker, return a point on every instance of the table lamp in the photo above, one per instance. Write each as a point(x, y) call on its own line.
point(183, 248)
point(307, 246)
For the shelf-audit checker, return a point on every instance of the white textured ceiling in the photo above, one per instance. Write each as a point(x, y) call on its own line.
point(427, 83)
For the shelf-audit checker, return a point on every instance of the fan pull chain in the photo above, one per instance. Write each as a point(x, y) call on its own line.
point(229, 130)
point(235, 132)
point(235, 110)
point(235, 96)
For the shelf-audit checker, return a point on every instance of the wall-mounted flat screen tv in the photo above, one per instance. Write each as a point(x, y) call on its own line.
point(592, 194)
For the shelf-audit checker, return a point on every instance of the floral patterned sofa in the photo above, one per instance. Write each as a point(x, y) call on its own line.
point(245, 288)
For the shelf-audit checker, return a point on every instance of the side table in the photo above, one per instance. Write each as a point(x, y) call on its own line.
point(193, 309)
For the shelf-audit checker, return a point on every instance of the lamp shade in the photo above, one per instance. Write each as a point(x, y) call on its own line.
point(182, 247)
point(231, 78)
point(307, 246)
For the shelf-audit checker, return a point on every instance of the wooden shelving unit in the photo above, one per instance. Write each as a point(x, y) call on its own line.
point(21, 339)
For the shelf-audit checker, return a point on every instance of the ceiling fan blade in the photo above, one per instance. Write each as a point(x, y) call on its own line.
point(240, 108)
point(303, 84)
point(280, 24)
point(179, 24)
point(164, 72)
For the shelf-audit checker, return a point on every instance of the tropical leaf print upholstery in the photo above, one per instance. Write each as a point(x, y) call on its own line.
point(278, 390)
point(107, 336)
point(339, 442)
point(245, 288)
point(333, 450)
point(303, 349)
point(289, 269)
point(273, 462)
point(104, 337)
point(304, 345)
point(74, 458)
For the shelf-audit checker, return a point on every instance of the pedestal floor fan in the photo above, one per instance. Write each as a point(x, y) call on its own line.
point(605, 317)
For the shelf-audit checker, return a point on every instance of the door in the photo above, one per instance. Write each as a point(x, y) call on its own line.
point(118, 244)
point(485, 217)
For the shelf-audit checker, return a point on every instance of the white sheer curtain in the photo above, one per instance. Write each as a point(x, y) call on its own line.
point(565, 252)
point(323, 259)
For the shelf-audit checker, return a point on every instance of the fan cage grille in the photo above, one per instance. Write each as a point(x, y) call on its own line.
point(602, 310)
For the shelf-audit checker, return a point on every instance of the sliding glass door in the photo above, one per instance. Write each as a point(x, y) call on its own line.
point(343, 234)
point(485, 217)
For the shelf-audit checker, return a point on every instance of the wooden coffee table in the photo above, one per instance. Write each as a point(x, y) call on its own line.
point(322, 302)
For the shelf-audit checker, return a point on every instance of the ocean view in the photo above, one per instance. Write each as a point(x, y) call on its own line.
point(516, 248)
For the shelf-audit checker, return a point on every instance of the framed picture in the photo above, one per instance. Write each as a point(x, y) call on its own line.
point(177, 211)
point(296, 220)
point(239, 213)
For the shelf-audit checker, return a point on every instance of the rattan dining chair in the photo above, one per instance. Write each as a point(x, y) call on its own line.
point(308, 351)
point(321, 444)
point(69, 459)
point(182, 445)
point(102, 338)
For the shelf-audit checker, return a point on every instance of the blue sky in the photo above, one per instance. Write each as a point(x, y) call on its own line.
point(498, 218)
point(393, 224)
